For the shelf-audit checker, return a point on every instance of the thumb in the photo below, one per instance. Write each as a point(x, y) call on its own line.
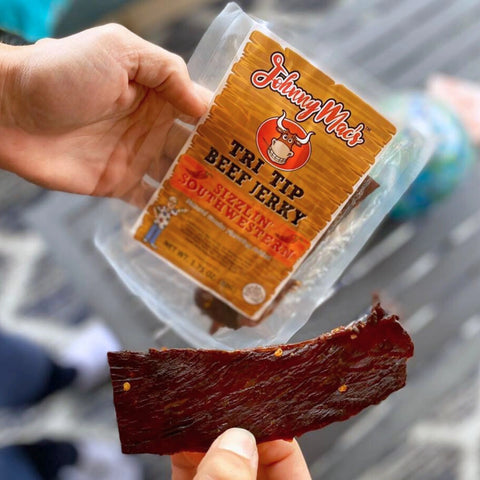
point(232, 456)
point(156, 68)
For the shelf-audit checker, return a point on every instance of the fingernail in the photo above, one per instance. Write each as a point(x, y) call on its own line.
point(239, 441)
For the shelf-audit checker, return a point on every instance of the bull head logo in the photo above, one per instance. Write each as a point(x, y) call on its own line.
point(281, 148)
point(280, 139)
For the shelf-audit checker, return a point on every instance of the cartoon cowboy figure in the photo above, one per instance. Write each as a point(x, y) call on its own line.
point(163, 215)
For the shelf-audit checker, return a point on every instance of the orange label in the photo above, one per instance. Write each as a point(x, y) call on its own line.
point(277, 157)
point(237, 211)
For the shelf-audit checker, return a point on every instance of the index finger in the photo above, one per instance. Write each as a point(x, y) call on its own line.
point(281, 460)
point(184, 465)
point(165, 72)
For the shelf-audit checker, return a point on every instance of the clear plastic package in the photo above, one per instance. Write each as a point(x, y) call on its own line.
point(201, 312)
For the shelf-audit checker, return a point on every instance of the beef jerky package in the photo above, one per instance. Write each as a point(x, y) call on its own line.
point(266, 200)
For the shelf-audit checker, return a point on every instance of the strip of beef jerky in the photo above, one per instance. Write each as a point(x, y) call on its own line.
point(176, 400)
point(222, 315)
point(368, 186)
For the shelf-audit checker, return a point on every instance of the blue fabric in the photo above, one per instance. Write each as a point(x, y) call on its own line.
point(32, 19)
point(49, 457)
point(25, 370)
point(15, 465)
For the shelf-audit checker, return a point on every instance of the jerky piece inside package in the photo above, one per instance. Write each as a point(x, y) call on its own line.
point(223, 315)
point(256, 211)
point(180, 399)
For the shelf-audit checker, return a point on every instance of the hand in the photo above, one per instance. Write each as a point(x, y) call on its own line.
point(234, 455)
point(90, 113)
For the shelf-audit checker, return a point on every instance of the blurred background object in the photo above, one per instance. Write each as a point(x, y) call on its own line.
point(453, 154)
point(428, 268)
point(31, 20)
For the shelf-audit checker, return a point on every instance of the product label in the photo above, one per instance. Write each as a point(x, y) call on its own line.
point(279, 154)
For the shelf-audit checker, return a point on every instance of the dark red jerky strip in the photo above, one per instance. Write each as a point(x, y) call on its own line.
point(180, 400)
